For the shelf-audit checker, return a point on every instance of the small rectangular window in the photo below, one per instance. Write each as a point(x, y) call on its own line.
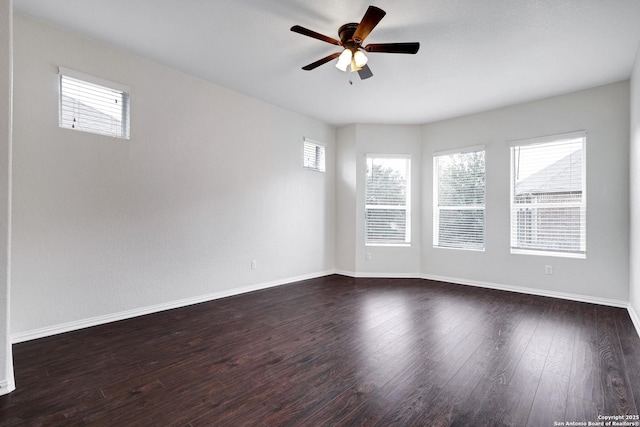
point(388, 200)
point(548, 196)
point(313, 155)
point(459, 199)
point(91, 104)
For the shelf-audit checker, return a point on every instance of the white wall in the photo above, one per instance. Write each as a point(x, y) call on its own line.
point(210, 180)
point(604, 113)
point(354, 143)
point(602, 277)
point(346, 199)
point(6, 45)
point(634, 294)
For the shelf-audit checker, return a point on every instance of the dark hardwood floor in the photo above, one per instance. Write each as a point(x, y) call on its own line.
point(338, 351)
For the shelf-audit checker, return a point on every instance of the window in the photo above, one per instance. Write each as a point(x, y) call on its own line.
point(459, 199)
point(313, 155)
point(548, 196)
point(387, 205)
point(93, 105)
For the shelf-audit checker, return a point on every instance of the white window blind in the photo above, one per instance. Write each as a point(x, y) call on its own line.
point(548, 196)
point(93, 105)
point(459, 199)
point(313, 155)
point(387, 200)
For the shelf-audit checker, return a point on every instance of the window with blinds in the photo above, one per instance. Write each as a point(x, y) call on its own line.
point(90, 104)
point(313, 155)
point(459, 199)
point(548, 196)
point(387, 200)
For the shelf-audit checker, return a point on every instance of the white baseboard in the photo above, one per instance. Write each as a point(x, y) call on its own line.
point(634, 318)
point(345, 273)
point(530, 291)
point(99, 320)
point(368, 275)
point(7, 386)
point(127, 314)
point(501, 287)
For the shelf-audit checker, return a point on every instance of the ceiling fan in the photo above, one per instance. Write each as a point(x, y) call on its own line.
point(352, 36)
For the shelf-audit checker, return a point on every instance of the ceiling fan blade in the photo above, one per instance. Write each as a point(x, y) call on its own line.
point(372, 16)
point(365, 72)
point(393, 47)
point(307, 32)
point(319, 62)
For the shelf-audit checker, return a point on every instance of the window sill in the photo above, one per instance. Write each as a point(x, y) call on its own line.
point(459, 249)
point(548, 253)
point(393, 245)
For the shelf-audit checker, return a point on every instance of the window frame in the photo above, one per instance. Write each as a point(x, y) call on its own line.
point(406, 207)
point(320, 153)
point(582, 204)
point(125, 109)
point(436, 203)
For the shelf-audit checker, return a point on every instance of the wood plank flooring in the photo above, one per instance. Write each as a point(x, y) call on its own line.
point(338, 351)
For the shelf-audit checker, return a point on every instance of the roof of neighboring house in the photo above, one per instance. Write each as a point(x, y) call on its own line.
point(565, 175)
point(99, 121)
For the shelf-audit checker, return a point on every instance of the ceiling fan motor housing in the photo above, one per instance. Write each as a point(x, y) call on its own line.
point(352, 36)
point(346, 36)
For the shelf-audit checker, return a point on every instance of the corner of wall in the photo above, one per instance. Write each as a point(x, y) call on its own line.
point(634, 194)
point(635, 319)
point(6, 115)
point(345, 206)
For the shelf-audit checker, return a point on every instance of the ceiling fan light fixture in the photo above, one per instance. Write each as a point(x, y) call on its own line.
point(360, 59)
point(344, 60)
point(354, 66)
point(352, 36)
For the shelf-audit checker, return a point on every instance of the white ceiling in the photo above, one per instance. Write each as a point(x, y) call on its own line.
point(475, 54)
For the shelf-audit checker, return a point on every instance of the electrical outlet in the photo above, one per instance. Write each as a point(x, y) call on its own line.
point(548, 269)
point(368, 256)
point(254, 264)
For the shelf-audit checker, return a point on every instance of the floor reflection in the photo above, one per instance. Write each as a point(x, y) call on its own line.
point(387, 333)
point(400, 338)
